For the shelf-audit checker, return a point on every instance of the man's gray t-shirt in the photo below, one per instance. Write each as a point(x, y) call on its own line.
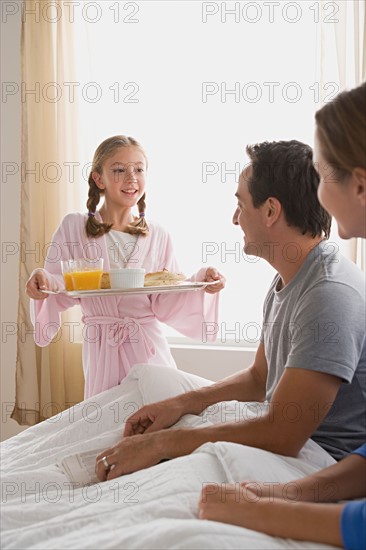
point(317, 322)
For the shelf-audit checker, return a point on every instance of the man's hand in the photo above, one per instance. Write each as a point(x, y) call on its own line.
point(129, 455)
point(154, 417)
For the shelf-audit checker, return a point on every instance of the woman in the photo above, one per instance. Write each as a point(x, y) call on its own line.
point(119, 331)
point(340, 158)
point(295, 510)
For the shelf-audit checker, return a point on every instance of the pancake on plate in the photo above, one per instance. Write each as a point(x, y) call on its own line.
point(163, 278)
point(105, 282)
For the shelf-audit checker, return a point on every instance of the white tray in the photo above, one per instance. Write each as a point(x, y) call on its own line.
point(179, 287)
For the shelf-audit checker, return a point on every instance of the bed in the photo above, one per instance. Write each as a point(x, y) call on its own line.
point(153, 508)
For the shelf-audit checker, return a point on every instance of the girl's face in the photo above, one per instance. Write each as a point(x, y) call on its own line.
point(342, 199)
point(123, 177)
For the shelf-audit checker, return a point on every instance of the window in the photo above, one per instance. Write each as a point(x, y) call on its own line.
point(195, 82)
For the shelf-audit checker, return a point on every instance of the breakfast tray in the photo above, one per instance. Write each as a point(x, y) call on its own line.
point(164, 289)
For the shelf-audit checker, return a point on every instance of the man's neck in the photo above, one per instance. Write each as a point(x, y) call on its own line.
point(288, 256)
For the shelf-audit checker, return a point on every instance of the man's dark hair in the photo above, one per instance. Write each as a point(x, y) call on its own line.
point(285, 170)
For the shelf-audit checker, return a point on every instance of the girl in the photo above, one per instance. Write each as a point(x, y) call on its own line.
point(120, 330)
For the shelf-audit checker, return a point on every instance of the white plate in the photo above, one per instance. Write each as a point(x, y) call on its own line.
point(179, 287)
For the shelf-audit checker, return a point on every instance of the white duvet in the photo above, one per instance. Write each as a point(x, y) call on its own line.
point(151, 509)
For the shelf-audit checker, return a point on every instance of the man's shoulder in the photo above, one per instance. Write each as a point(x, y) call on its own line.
point(333, 292)
point(331, 273)
point(328, 257)
point(326, 279)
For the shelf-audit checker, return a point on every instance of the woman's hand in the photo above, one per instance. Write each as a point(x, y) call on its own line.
point(238, 505)
point(37, 281)
point(213, 275)
point(154, 417)
point(230, 503)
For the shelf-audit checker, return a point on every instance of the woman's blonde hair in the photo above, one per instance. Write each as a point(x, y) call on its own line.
point(341, 127)
point(93, 227)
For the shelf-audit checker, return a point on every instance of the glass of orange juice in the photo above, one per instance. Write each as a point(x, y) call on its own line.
point(87, 274)
point(67, 267)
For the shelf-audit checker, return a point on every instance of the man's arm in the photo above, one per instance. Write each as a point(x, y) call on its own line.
point(299, 404)
point(247, 385)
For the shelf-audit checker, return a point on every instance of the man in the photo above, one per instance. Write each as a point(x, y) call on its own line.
point(311, 361)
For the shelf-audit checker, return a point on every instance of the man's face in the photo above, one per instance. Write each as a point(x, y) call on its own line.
point(248, 217)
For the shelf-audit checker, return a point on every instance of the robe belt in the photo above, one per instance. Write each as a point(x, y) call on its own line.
point(125, 329)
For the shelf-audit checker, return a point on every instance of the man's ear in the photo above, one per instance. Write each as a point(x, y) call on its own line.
point(359, 181)
point(273, 209)
point(97, 178)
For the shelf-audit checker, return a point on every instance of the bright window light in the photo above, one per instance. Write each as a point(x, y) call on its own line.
point(195, 82)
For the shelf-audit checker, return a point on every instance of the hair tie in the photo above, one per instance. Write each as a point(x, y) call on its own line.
point(142, 215)
point(91, 214)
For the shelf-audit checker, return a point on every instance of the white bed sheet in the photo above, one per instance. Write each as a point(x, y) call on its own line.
point(153, 508)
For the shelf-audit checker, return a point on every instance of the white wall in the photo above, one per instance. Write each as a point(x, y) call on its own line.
point(212, 362)
point(10, 211)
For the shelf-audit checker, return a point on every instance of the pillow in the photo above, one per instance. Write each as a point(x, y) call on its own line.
point(157, 383)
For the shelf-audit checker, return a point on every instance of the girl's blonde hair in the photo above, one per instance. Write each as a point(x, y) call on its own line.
point(93, 227)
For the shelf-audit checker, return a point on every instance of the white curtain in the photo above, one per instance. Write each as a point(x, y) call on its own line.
point(48, 379)
point(342, 66)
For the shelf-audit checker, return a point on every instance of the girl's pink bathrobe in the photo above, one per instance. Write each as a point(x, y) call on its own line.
point(121, 330)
